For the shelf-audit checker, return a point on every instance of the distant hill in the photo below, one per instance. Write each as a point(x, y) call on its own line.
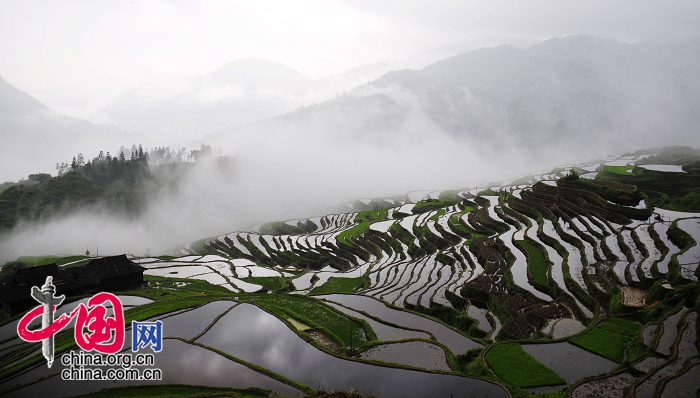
point(14, 102)
point(575, 88)
point(579, 93)
point(34, 137)
point(235, 94)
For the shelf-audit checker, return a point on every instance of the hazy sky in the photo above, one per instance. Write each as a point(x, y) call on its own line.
point(74, 51)
point(76, 54)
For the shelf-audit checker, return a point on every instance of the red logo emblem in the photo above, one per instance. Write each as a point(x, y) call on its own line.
point(94, 330)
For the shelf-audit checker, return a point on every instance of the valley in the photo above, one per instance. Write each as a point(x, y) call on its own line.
point(568, 282)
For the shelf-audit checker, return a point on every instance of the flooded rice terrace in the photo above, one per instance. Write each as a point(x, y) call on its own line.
point(401, 297)
point(251, 334)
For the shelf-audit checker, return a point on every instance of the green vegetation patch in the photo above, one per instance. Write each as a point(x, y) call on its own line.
point(164, 287)
point(437, 215)
point(625, 170)
point(449, 195)
point(340, 285)
point(613, 185)
point(268, 282)
point(372, 216)
point(353, 233)
point(515, 366)
point(431, 204)
point(538, 266)
point(313, 313)
point(673, 191)
point(609, 338)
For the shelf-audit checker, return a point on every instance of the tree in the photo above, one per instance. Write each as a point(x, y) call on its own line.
point(205, 151)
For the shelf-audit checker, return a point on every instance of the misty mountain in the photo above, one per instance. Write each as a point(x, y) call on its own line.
point(579, 93)
point(14, 102)
point(36, 137)
point(235, 94)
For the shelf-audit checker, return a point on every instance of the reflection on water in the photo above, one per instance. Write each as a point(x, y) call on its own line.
point(415, 353)
point(383, 332)
point(669, 333)
point(180, 362)
point(687, 385)
point(458, 343)
point(648, 333)
point(571, 363)
point(189, 324)
point(480, 316)
point(254, 335)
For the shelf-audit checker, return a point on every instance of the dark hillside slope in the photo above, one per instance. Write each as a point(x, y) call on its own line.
point(563, 88)
point(582, 94)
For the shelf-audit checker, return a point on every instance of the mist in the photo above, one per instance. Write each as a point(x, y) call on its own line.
point(283, 169)
point(470, 120)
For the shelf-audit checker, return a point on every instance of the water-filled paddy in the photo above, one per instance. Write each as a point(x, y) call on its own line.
point(415, 353)
point(479, 315)
point(384, 332)
point(571, 363)
point(181, 363)
point(254, 335)
point(686, 385)
point(519, 267)
point(668, 168)
point(191, 323)
point(648, 333)
point(690, 258)
point(455, 341)
point(612, 387)
point(669, 333)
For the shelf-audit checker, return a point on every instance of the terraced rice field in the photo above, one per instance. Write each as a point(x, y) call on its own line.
point(516, 251)
point(439, 280)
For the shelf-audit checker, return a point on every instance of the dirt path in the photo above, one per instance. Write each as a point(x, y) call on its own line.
point(633, 297)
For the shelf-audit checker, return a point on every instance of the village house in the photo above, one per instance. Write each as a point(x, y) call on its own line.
point(106, 274)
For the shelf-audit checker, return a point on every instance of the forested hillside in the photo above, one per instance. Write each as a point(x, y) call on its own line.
point(117, 184)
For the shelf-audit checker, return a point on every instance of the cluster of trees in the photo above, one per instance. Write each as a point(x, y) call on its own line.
point(137, 155)
point(122, 183)
point(138, 158)
point(160, 155)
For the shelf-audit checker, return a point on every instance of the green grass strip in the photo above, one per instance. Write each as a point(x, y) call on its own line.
point(624, 170)
point(352, 233)
point(372, 216)
point(538, 267)
point(268, 282)
point(609, 338)
point(438, 214)
point(313, 313)
point(515, 366)
point(339, 285)
point(426, 205)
